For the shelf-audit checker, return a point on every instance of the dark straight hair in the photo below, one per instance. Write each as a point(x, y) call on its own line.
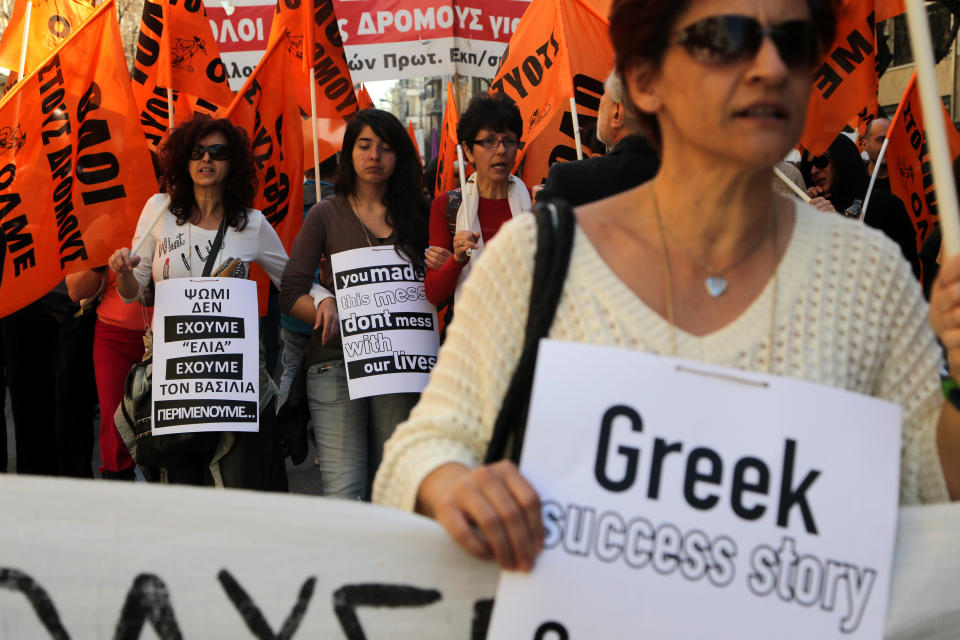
point(406, 208)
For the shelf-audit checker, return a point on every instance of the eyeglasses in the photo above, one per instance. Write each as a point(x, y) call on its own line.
point(821, 161)
point(492, 142)
point(216, 151)
point(728, 39)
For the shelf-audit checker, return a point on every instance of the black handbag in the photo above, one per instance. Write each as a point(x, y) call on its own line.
point(555, 227)
point(134, 420)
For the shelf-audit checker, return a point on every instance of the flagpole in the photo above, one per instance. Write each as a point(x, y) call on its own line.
point(576, 127)
point(946, 190)
point(791, 185)
point(316, 135)
point(163, 210)
point(873, 178)
point(26, 37)
point(170, 107)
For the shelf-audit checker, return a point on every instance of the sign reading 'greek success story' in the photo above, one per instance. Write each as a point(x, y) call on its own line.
point(692, 501)
point(205, 356)
point(388, 328)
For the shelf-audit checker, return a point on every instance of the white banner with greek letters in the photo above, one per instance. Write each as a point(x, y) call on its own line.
point(206, 356)
point(387, 326)
point(692, 501)
point(85, 559)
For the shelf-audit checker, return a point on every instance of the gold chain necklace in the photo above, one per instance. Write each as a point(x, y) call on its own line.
point(716, 283)
point(355, 207)
point(668, 282)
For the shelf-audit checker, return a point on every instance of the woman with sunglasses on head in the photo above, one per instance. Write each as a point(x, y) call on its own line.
point(378, 202)
point(210, 178)
point(704, 262)
point(462, 220)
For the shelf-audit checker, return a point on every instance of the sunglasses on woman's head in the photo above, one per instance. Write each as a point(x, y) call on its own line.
point(821, 161)
point(216, 151)
point(728, 39)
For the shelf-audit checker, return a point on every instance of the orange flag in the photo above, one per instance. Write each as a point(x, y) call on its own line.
point(446, 169)
point(413, 139)
point(364, 101)
point(317, 41)
point(908, 160)
point(51, 22)
point(889, 8)
point(74, 166)
point(266, 108)
point(559, 50)
point(176, 47)
point(845, 84)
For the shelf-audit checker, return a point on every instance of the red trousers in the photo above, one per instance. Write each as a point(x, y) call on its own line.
point(115, 350)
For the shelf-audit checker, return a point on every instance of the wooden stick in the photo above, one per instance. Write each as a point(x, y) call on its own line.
point(873, 178)
point(169, 108)
point(576, 128)
point(316, 134)
point(946, 189)
point(143, 238)
point(23, 45)
point(793, 187)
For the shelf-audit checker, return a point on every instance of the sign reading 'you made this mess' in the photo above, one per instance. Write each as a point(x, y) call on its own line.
point(206, 356)
point(388, 328)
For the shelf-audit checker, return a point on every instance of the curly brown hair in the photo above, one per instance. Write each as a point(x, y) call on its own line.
point(240, 184)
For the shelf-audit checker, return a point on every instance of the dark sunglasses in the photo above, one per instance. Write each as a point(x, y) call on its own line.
point(821, 161)
point(216, 151)
point(728, 39)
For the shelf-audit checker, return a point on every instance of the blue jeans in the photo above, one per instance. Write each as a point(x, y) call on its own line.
point(350, 433)
point(294, 345)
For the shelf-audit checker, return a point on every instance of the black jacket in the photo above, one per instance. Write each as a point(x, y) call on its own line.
point(630, 163)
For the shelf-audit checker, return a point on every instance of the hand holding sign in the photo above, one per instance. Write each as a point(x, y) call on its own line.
point(328, 320)
point(491, 511)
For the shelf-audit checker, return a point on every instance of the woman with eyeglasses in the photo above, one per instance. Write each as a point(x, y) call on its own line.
point(210, 178)
point(378, 202)
point(463, 220)
point(837, 176)
point(704, 262)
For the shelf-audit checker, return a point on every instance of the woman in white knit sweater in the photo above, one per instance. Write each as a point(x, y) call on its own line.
point(704, 262)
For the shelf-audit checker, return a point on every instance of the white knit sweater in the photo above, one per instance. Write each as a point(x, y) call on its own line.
point(849, 314)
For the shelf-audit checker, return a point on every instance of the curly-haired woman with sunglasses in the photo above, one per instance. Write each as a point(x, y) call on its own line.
point(462, 220)
point(704, 262)
point(209, 176)
point(378, 203)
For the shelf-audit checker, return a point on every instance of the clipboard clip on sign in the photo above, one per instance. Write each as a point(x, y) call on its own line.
point(722, 376)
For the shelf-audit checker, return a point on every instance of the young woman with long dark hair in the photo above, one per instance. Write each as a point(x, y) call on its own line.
point(378, 202)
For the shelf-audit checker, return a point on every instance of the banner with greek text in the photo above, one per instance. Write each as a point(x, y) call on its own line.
point(845, 84)
point(768, 502)
point(387, 326)
point(51, 22)
point(206, 356)
point(74, 165)
point(390, 39)
point(908, 161)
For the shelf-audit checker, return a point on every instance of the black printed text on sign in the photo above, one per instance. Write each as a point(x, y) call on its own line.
point(205, 356)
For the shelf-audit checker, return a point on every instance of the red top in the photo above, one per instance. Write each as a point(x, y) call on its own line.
point(441, 283)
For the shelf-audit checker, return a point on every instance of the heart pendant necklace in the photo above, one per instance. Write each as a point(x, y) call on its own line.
point(715, 282)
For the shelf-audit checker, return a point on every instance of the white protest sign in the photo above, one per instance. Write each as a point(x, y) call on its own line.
point(85, 559)
point(692, 501)
point(206, 356)
point(387, 326)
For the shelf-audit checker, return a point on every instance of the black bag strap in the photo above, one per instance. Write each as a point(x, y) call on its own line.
point(555, 226)
point(215, 248)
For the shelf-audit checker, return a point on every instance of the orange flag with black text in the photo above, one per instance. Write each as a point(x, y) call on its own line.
point(312, 36)
point(560, 49)
point(908, 160)
point(266, 108)
point(447, 156)
point(845, 84)
point(176, 50)
point(51, 22)
point(74, 166)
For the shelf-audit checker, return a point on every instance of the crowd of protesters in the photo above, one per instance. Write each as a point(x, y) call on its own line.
point(679, 236)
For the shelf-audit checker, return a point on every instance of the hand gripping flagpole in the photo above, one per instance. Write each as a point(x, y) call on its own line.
point(943, 179)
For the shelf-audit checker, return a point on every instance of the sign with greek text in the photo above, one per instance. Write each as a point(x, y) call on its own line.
point(387, 326)
point(694, 501)
point(246, 564)
point(241, 29)
point(206, 356)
